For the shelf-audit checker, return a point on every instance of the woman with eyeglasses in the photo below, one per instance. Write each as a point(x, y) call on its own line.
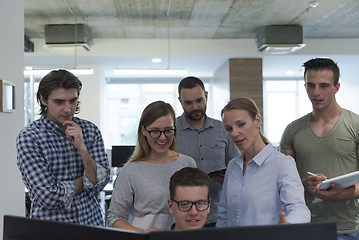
point(140, 194)
point(261, 186)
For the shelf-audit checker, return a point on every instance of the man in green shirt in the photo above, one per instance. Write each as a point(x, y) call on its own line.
point(326, 142)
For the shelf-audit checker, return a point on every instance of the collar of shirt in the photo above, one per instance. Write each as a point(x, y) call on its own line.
point(184, 124)
point(51, 126)
point(259, 158)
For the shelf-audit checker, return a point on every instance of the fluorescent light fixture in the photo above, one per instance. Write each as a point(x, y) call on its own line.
point(156, 60)
point(150, 72)
point(313, 3)
point(43, 72)
point(289, 72)
point(82, 71)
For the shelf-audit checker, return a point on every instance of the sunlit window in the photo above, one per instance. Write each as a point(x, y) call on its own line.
point(31, 107)
point(284, 101)
point(125, 103)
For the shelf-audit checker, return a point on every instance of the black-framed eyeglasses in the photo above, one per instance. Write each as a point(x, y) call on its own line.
point(157, 133)
point(185, 206)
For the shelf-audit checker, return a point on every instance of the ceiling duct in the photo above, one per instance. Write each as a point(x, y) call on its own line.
point(280, 39)
point(67, 35)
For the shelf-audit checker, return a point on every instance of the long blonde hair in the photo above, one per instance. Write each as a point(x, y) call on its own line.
point(247, 105)
point(150, 114)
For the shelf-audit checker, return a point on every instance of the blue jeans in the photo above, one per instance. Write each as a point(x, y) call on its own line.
point(348, 236)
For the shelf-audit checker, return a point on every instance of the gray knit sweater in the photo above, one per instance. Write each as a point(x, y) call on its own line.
point(142, 189)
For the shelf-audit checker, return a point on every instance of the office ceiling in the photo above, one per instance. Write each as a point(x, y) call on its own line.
point(123, 20)
point(194, 19)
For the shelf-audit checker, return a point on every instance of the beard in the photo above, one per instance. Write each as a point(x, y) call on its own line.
point(195, 115)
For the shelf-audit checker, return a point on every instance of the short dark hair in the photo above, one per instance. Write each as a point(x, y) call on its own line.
point(54, 80)
point(188, 177)
point(323, 64)
point(190, 82)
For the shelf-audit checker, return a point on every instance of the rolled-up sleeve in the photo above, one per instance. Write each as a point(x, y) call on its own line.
point(97, 151)
point(102, 174)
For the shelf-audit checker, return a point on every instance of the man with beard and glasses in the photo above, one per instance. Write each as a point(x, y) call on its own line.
point(203, 138)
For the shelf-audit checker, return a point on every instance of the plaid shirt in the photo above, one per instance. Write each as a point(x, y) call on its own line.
point(49, 163)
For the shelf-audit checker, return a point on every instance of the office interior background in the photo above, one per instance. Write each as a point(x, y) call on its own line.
point(198, 36)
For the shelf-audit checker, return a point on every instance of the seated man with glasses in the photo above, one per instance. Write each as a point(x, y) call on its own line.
point(189, 203)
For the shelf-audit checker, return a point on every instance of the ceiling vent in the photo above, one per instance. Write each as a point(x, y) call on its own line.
point(280, 39)
point(67, 36)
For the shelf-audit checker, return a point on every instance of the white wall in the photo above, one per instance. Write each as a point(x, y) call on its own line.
point(12, 200)
point(90, 96)
point(202, 57)
point(221, 94)
point(347, 96)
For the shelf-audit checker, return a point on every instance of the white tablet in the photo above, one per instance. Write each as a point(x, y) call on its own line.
point(343, 181)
